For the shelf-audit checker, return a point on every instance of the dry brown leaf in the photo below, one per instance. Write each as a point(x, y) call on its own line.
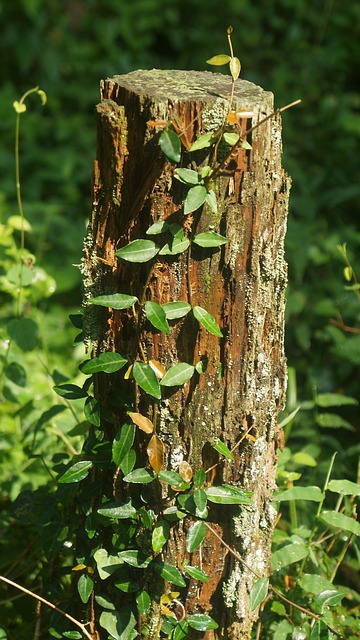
point(155, 451)
point(142, 422)
point(185, 471)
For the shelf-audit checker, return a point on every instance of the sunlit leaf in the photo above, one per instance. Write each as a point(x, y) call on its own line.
point(123, 442)
point(235, 67)
point(106, 563)
point(320, 631)
point(170, 145)
point(146, 379)
point(119, 624)
point(210, 200)
point(200, 499)
point(135, 558)
point(231, 138)
point(138, 251)
point(221, 448)
point(160, 535)
point(85, 586)
point(219, 60)
point(313, 583)
point(175, 246)
point(187, 176)
point(114, 301)
point(128, 462)
point(328, 598)
point(174, 479)
point(156, 315)
point(195, 198)
point(108, 362)
point(155, 451)
point(205, 141)
point(140, 476)
point(196, 573)
point(201, 622)
point(170, 573)
point(258, 592)
point(202, 365)
point(195, 535)
point(19, 107)
point(210, 239)
point(178, 375)
point(143, 602)
point(121, 510)
point(208, 321)
point(76, 472)
point(227, 494)
point(175, 310)
point(142, 422)
point(287, 555)
point(158, 227)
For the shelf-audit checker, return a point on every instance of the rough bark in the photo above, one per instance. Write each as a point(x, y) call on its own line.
point(241, 284)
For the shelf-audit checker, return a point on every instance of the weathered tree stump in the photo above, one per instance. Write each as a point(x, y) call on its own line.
point(242, 284)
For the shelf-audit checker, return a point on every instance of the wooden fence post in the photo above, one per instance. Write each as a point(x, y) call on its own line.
point(242, 284)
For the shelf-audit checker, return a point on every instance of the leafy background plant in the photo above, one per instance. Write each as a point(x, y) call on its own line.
point(311, 51)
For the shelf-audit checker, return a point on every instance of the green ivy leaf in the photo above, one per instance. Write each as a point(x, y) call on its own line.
point(207, 321)
point(199, 478)
point(313, 583)
point(219, 60)
point(178, 375)
point(117, 510)
point(156, 315)
point(320, 631)
point(106, 563)
point(138, 251)
point(140, 476)
point(70, 391)
point(196, 573)
point(92, 411)
point(205, 141)
point(128, 462)
point(160, 535)
point(16, 373)
point(123, 442)
point(231, 138)
point(200, 499)
point(175, 310)
point(170, 145)
point(175, 246)
point(76, 472)
point(170, 573)
point(146, 379)
point(258, 592)
point(221, 448)
point(114, 301)
point(187, 176)
point(195, 536)
point(174, 479)
point(119, 624)
point(157, 228)
point(287, 555)
point(227, 494)
point(328, 598)
point(135, 558)
point(211, 200)
point(201, 366)
point(143, 602)
point(201, 622)
point(210, 239)
point(85, 586)
point(108, 362)
point(195, 198)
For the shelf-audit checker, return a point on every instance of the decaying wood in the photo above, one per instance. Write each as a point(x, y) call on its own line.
point(241, 284)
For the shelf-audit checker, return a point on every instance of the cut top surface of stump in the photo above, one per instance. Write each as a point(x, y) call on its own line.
point(202, 86)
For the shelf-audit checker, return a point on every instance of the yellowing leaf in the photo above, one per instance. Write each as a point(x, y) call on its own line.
point(185, 471)
point(166, 611)
point(19, 107)
point(235, 67)
point(128, 373)
point(155, 451)
point(219, 60)
point(157, 368)
point(79, 567)
point(142, 422)
point(166, 598)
